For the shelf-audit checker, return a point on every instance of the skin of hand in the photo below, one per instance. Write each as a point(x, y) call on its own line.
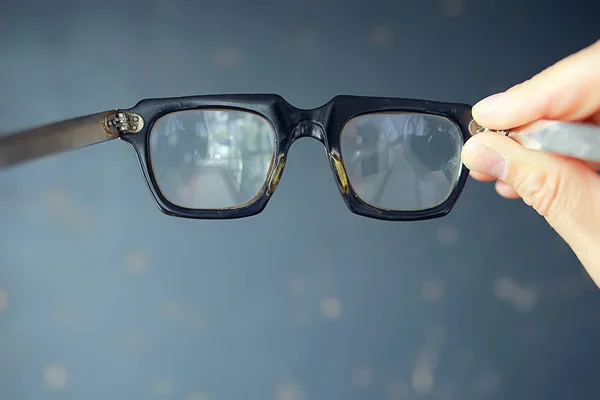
point(566, 192)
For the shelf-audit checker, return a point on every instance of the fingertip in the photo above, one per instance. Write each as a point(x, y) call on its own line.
point(509, 109)
point(506, 191)
point(494, 140)
point(470, 148)
point(484, 139)
point(481, 177)
point(483, 111)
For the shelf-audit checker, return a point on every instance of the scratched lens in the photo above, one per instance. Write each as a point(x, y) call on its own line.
point(402, 161)
point(211, 159)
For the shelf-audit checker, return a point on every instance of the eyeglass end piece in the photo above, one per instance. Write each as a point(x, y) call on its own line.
point(117, 123)
point(475, 128)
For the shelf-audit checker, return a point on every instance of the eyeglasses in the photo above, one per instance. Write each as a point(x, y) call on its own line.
point(222, 156)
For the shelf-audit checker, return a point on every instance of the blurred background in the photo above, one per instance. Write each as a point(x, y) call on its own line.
point(102, 296)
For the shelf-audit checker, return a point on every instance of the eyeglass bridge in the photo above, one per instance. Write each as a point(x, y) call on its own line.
point(308, 128)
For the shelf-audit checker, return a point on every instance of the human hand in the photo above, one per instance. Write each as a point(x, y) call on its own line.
point(563, 190)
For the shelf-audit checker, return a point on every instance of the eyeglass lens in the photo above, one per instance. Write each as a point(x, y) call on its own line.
point(211, 158)
point(402, 161)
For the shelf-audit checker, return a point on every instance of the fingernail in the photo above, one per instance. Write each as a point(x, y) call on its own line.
point(489, 103)
point(487, 161)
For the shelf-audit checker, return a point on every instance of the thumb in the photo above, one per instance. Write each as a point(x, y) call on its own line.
point(565, 191)
point(567, 90)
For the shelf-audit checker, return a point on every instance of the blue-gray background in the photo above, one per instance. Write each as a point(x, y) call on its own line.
point(102, 296)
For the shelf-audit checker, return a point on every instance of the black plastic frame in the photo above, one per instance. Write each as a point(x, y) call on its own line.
point(290, 123)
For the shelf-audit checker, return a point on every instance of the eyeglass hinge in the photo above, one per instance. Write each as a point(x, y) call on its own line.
point(475, 128)
point(119, 122)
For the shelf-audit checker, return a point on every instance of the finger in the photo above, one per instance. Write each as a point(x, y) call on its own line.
point(593, 166)
point(506, 191)
point(565, 191)
point(481, 177)
point(593, 119)
point(596, 118)
point(568, 90)
point(488, 178)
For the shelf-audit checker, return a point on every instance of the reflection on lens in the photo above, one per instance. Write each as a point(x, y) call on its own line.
point(402, 161)
point(211, 159)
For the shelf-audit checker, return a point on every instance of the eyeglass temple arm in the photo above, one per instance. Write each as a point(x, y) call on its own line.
point(71, 134)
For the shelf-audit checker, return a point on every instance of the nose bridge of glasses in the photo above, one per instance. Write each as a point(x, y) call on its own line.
point(308, 128)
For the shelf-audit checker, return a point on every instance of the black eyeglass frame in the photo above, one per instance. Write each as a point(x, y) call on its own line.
point(290, 123)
